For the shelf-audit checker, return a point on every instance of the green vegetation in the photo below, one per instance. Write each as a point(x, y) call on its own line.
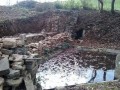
point(91, 4)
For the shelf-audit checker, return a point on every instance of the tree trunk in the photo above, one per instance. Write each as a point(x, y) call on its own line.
point(112, 6)
point(100, 4)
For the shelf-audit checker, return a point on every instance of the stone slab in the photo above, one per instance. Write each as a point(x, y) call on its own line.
point(29, 83)
point(4, 66)
point(1, 80)
point(13, 74)
point(6, 51)
point(14, 82)
point(117, 67)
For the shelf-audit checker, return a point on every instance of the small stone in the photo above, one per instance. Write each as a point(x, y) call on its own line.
point(4, 66)
point(6, 56)
point(1, 45)
point(17, 57)
point(9, 42)
point(0, 53)
point(11, 58)
point(30, 63)
point(14, 82)
point(29, 83)
point(18, 67)
point(13, 74)
point(1, 80)
point(0, 40)
point(7, 52)
point(18, 63)
point(117, 68)
point(1, 83)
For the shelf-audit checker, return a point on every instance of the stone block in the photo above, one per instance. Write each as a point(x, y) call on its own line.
point(18, 67)
point(7, 52)
point(117, 67)
point(12, 42)
point(0, 40)
point(1, 80)
point(1, 83)
point(0, 53)
point(18, 63)
point(14, 82)
point(17, 57)
point(14, 74)
point(1, 45)
point(30, 63)
point(28, 82)
point(33, 72)
point(4, 66)
point(9, 42)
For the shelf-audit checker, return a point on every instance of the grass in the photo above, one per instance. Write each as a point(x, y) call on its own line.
point(77, 4)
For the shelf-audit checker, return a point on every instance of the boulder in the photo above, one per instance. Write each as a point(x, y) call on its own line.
point(1, 83)
point(9, 42)
point(17, 57)
point(0, 53)
point(14, 74)
point(117, 67)
point(28, 82)
point(18, 63)
point(1, 45)
point(7, 52)
point(12, 42)
point(14, 82)
point(18, 67)
point(1, 80)
point(30, 63)
point(4, 66)
point(0, 40)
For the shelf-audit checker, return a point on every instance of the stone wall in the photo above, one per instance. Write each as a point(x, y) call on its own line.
point(17, 67)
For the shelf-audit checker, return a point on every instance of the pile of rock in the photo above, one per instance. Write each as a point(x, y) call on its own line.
point(49, 42)
point(16, 65)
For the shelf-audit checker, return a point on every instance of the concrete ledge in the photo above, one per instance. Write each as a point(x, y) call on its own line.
point(102, 50)
point(111, 85)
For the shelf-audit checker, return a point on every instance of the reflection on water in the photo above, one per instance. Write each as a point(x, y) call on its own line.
point(50, 80)
point(66, 70)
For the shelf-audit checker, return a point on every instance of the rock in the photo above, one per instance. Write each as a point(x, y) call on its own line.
point(33, 55)
point(6, 56)
point(14, 82)
point(28, 82)
point(0, 53)
point(1, 83)
point(1, 80)
point(17, 57)
point(117, 67)
point(1, 45)
point(33, 72)
point(11, 58)
point(7, 52)
point(9, 42)
point(0, 40)
point(14, 74)
point(30, 63)
point(18, 67)
point(18, 63)
point(12, 42)
point(4, 66)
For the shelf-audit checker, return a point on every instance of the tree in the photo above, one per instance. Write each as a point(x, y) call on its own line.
point(100, 4)
point(112, 6)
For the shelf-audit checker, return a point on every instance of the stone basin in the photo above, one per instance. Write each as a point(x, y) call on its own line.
point(73, 67)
